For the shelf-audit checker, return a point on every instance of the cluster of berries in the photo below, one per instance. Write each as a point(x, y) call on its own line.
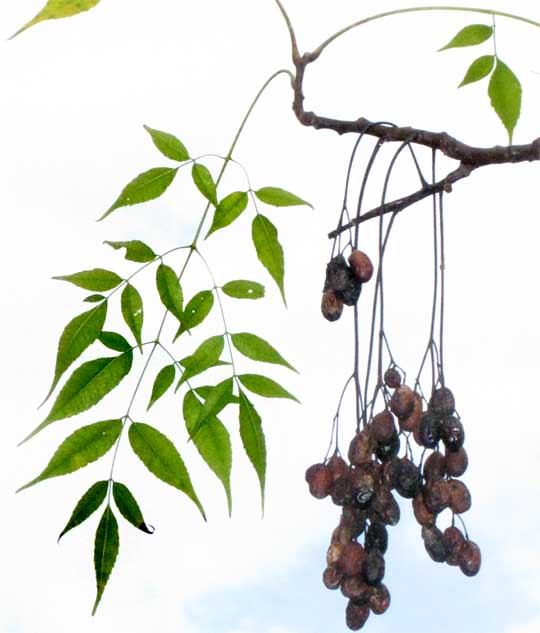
point(364, 488)
point(343, 283)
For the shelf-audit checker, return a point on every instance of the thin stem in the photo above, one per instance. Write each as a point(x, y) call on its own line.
point(386, 14)
point(292, 35)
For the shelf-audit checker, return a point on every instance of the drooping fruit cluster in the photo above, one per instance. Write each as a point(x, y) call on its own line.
point(343, 283)
point(364, 487)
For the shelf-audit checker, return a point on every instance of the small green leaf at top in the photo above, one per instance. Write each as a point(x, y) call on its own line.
point(114, 341)
point(504, 91)
point(204, 182)
point(256, 348)
point(86, 506)
point(168, 144)
point(129, 508)
point(243, 289)
point(170, 290)
point(97, 279)
point(264, 386)
point(253, 440)
point(132, 311)
point(146, 186)
point(55, 9)
point(479, 69)
point(269, 250)
point(136, 251)
point(196, 311)
point(279, 197)
point(160, 456)
point(82, 447)
point(228, 209)
point(86, 386)
point(106, 545)
point(470, 36)
point(163, 381)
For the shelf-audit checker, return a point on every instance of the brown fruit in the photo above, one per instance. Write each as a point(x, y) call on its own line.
point(379, 599)
point(342, 534)
point(333, 553)
point(409, 479)
point(356, 615)
point(331, 306)
point(456, 463)
point(436, 495)
point(355, 588)
point(332, 577)
point(429, 430)
point(383, 427)
point(385, 507)
point(460, 497)
point(360, 448)
point(374, 567)
point(337, 466)
point(453, 540)
point(435, 466)
point(376, 537)
point(390, 472)
point(352, 559)
point(320, 480)
point(411, 421)
point(361, 265)
point(402, 401)
point(434, 543)
point(422, 514)
point(470, 558)
point(342, 491)
point(452, 433)
point(442, 402)
point(354, 518)
point(392, 378)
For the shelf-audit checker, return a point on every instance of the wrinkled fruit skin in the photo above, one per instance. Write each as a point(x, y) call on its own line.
point(356, 615)
point(402, 401)
point(374, 567)
point(341, 280)
point(409, 479)
point(379, 599)
point(361, 266)
point(434, 543)
point(452, 433)
point(460, 497)
point(470, 558)
point(429, 430)
point(453, 540)
point(352, 559)
point(383, 427)
point(392, 378)
point(442, 402)
point(456, 463)
point(320, 480)
point(435, 466)
point(332, 577)
point(331, 306)
point(377, 537)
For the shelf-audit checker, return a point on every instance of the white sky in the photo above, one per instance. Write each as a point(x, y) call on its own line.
point(75, 96)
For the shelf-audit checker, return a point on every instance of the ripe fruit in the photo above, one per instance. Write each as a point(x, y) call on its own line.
point(435, 466)
point(373, 568)
point(361, 265)
point(385, 507)
point(437, 495)
point(429, 431)
point(331, 306)
point(332, 577)
point(386, 451)
point(422, 514)
point(442, 402)
point(453, 540)
point(411, 421)
point(456, 463)
point(376, 537)
point(356, 615)
point(320, 480)
point(379, 599)
point(409, 479)
point(355, 588)
point(452, 433)
point(360, 448)
point(460, 497)
point(392, 378)
point(352, 558)
point(402, 401)
point(383, 427)
point(337, 466)
point(470, 558)
point(434, 543)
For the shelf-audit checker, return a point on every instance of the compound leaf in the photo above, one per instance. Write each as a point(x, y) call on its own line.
point(505, 94)
point(146, 186)
point(106, 547)
point(97, 279)
point(269, 251)
point(228, 209)
point(163, 381)
point(279, 197)
point(252, 436)
point(132, 311)
point(86, 506)
point(129, 508)
point(136, 251)
point(243, 289)
point(257, 348)
point(159, 455)
point(168, 144)
point(264, 386)
point(470, 36)
point(82, 447)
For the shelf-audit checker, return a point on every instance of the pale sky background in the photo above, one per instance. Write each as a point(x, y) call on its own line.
point(75, 94)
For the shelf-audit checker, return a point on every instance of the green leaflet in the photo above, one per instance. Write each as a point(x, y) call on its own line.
point(264, 386)
point(97, 279)
point(204, 182)
point(228, 209)
point(132, 311)
point(257, 348)
point(129, 508)
point(243, 289)
point(77, 336)
point(204, 391)
point(279, 197)
point(82, 447)
point(86, 506)
point(114, 341)
point(86, 386)
point(196, 311)
point(269, 251)
point(504, 91)
point(163, 381)
point(212, 441)
point(479, 69)
point(470, 36)
point(168, 144)
point(136, 251)
point(94, 298)
point(106, 547)
point(146, 186)
point(169, 289)
point(217, 399)
point(159, 455)
point(58, 9)
point(252, 436)
point(204, 357)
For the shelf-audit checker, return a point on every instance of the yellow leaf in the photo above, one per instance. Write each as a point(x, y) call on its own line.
point(58, 9)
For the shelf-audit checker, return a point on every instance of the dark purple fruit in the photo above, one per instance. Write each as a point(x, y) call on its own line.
point(385, 507)
point(332, 577)
point(364, 483)
point(376, 537)
point(409, 479)
point(320, 480)
point(383, 427)
point(373, 568)
point(356, 589)
point(456, 463)
point(386, 451)
point(442, 402)
point(356, 615)
point(422, 514)
point(331, 306)
point(429, 431)
point(392, 378)
point(338, 275)
point(452, 433)
point(390, 472)
point(352, 559)
point(342, 492)
point(402, 401)
point(379, 599)
point(351, 294)
point(434, 543)
point(361, 265)
point(460, 497)
point(453, 540)
point(470, 558)
point(435, 466)
point(353, 518)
